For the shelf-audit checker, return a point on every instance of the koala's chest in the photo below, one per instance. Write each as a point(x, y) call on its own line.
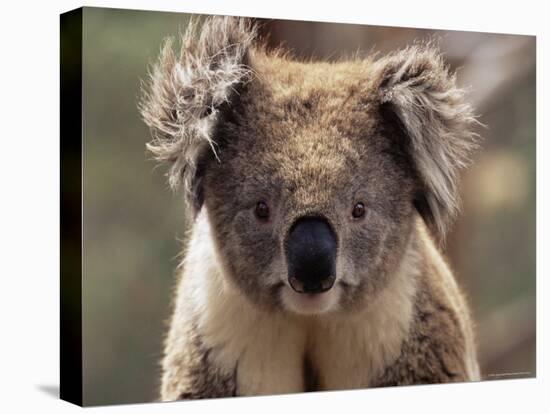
point(282, 359)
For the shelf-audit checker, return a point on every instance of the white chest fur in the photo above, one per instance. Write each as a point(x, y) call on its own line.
point(349, 351)
point(267, 350)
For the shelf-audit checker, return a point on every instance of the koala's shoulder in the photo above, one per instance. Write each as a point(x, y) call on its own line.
point(439, 341)
point(189, 372)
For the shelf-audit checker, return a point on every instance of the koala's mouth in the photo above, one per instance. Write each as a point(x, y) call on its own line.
point(310, 303)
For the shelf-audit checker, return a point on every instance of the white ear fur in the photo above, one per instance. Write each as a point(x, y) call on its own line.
point(183, 94)
point(422, 93)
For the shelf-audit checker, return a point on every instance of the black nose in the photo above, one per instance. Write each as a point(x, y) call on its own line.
point(311, 255)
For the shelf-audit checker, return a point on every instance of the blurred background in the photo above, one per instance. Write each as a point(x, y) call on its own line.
point(134, 226)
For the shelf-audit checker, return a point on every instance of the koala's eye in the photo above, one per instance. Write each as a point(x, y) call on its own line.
point(358, 210)
point(262, 210)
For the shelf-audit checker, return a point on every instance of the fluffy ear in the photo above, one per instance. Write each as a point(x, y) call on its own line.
point(419, 92)
point(184, 92)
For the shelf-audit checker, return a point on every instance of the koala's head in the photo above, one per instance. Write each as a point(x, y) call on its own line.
point(311, 174)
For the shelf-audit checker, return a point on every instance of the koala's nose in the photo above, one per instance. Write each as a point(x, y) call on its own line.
point(311, 255)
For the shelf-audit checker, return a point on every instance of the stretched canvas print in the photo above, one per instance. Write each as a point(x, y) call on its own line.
point(260, 206)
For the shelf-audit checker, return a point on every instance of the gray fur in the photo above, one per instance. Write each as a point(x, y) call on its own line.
point(424, 95)
point(181, 100)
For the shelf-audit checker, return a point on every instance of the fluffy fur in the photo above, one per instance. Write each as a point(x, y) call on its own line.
point(417, 85)
point(241, 125)
point(185, 92)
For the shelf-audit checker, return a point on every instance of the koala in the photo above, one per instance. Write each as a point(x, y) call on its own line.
point(319, 195)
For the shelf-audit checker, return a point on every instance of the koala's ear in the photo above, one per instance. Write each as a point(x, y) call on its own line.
point(184, 92)
point(418, 91)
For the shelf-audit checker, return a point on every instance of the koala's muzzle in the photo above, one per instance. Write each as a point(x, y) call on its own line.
point(311, 255)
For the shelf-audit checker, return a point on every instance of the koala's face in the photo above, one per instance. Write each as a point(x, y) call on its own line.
point(320, 168)
point(311, 199)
